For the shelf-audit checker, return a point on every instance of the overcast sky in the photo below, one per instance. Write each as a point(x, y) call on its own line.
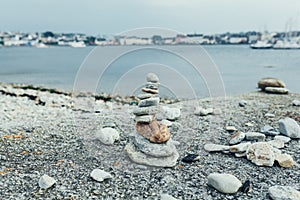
point(114, 16)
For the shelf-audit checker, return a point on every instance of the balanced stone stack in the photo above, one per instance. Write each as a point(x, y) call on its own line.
point(151, 144)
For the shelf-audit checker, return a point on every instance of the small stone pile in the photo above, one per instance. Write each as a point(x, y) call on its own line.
point(151, 144)
point(272, 85)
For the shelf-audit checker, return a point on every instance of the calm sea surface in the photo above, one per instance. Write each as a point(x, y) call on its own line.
point(239, 66)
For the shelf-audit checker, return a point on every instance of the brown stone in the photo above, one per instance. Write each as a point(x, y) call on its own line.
point(151, 91)
point(153, 131)
point(270, 82)
point(284, 160)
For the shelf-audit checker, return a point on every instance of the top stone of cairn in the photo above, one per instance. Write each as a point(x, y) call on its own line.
point(153, 78)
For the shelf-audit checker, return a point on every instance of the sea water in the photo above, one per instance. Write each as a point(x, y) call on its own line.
point(238, 67)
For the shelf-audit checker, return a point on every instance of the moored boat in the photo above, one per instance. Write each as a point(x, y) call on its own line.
point(261, 45)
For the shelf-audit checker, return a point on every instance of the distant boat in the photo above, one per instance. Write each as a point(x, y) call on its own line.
point(261, 45)
point(77, 44)
point(41, 45)
point(286, 44)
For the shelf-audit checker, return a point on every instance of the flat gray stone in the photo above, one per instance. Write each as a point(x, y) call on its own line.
point(46, 181)
point(215, 147)
point(269, 130)
point(154, 149)
point(276, 90)
point(230, 128)
point(255, 136)
point(270, 115)
point(225, 183)
point(151, 85)
point(141, 158)
point(240, 155)
point(239, 148)
point(261, 154)
point(289, 127)
point(145, 110)
point(284, 193)
point(237, 137)
point(167, 122)
point(100, 175)
point(153, 101)
point(145, 95)
point(283, 138)
point(151, 77)
point(144, 118)
point(279, 144)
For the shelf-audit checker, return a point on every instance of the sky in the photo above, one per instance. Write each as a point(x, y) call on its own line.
point(114, 16)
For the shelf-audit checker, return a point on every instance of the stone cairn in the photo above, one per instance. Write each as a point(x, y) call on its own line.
point(151, 144)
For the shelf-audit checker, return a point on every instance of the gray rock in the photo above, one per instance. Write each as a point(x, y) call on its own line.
point(237, 137)
point(166, 197)
point(243, 103)
point(249, 124)
point(261, 154)
point(215, 147)
point(145, 110)
point(154, 149)
point(100, 175)
point(283, 138)
point(289, 127)
point(276, 90)
point(107, 135)
point(167, 122)
point(240, 148)
point(151, 85)
point(144, 118)
point(145, 95)
point(230, 128)
point(269, 130)
point(46, 181)
point(153, 101)
point(225, 183)
point(296, 103)
point(270, 82)
point(171, 113)
point(141, 158)
point(151, 77)
point(203, 112)
point(270, 115)
point(284, 193)
point(255, 136)
point(239, 155)
point(279, 144)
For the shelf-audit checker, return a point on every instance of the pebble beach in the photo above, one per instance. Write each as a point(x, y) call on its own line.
point(53, 133)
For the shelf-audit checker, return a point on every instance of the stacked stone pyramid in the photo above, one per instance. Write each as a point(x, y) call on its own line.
point(151, 144)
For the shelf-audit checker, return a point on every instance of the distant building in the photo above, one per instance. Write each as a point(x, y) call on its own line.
point(134, 41)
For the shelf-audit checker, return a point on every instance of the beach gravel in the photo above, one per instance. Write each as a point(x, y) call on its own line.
point(57, 138)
